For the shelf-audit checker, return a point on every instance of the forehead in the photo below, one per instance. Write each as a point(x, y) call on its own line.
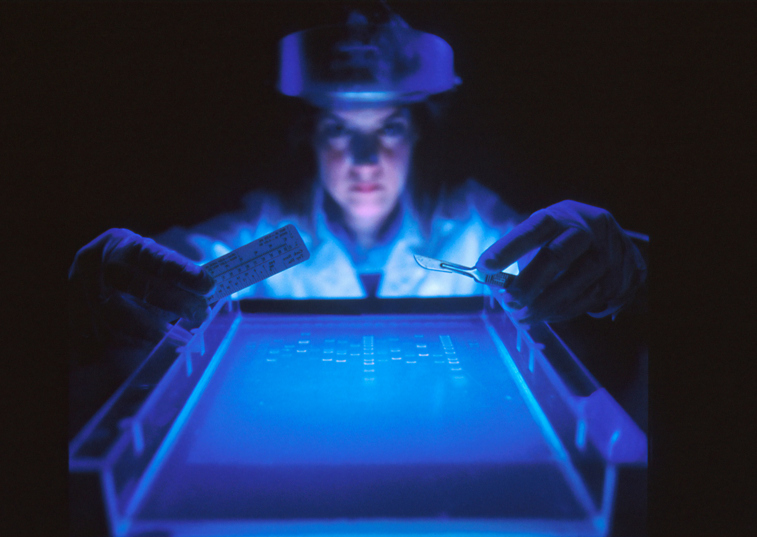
point(366, 118)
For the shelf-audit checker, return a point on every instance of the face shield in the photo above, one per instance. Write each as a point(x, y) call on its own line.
point(361, 64)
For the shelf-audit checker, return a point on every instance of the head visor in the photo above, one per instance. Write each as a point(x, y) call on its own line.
point(353, 66)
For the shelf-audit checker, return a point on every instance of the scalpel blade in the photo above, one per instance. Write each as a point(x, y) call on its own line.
point(501, 279)
point(430, 263)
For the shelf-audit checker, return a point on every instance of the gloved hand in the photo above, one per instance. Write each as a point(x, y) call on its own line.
point(585, 264)
point(128, 289)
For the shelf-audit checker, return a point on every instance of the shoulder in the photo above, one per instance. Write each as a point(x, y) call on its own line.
point(254, 209)
point(259, 213)
point(261, 203)
point(472, 200)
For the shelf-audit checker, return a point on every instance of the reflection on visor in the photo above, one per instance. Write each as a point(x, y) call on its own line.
point(366, 95)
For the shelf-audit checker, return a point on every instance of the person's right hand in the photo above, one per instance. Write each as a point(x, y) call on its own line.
point(127, 288)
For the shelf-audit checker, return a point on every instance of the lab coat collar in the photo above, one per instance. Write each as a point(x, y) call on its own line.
point(402, 275)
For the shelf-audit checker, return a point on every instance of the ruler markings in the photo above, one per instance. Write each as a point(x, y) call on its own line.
point(251, 260)
point(289, 250)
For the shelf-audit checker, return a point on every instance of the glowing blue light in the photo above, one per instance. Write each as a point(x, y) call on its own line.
point(367, 96)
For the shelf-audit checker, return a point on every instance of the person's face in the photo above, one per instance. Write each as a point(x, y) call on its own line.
point(363, 157)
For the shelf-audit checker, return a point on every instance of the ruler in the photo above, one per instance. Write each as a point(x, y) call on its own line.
point(256, 261)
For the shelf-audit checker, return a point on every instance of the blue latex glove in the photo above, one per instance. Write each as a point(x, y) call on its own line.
point(126, 289)
point(585, 264)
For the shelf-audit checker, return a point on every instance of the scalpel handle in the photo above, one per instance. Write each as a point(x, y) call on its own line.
point(499, 280)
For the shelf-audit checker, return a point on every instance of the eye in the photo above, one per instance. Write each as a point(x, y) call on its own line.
point(394, 129)
point(333, 130)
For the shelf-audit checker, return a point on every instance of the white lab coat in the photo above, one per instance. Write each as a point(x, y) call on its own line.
point(463, 224)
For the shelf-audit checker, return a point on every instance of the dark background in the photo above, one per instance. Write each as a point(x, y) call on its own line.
point(168, 112)
point(145, 115)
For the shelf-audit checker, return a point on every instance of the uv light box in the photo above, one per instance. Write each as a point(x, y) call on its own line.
point(403, 417)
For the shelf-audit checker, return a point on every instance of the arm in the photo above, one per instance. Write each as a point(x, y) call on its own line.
point(585, 264)
point(127, 289)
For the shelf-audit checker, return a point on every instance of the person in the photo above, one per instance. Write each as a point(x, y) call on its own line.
point(370, 86)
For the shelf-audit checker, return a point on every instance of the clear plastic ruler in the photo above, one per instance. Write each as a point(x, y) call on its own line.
point(256, 261)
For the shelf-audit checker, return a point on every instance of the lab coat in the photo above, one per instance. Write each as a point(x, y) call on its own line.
point(464, 223)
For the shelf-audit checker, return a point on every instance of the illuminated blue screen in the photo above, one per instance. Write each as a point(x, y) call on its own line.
point(361, 416)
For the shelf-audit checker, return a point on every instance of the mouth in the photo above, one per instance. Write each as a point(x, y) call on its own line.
point(365, 187)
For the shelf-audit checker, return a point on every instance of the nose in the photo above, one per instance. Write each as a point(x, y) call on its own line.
point(364, 149)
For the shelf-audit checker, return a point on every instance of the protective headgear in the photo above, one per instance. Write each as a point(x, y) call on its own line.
point(365, 64)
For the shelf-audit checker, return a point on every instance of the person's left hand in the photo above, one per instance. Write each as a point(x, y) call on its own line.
point(585, 264)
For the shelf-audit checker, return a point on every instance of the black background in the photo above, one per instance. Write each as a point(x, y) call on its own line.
point(168, 112)
point(145, 115)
